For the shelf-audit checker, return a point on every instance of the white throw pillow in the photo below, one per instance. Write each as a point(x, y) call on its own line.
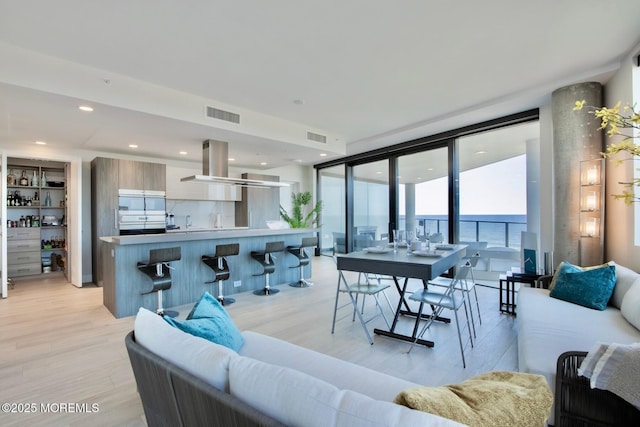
point(630, 308)
point(625, 278)
point(358, 410)
point(202, 358)
point(297, 399)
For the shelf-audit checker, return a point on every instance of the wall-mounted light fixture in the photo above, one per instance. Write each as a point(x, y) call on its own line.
point(590, 227)
point(590, 173)
point(591, 210)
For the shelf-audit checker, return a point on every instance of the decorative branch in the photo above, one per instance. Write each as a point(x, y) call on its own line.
point(612, 120)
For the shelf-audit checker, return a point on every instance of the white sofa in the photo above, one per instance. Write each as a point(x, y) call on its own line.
point(291, 384)
point(548, 327)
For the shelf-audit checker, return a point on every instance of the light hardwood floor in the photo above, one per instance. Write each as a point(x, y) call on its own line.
point(59, 344)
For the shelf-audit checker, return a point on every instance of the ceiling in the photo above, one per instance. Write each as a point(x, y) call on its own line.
point(363, 73)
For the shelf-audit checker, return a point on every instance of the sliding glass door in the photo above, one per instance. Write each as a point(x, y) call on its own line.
point(370, 204)
point(493, 185)
point(331, 184)
point(423, 188)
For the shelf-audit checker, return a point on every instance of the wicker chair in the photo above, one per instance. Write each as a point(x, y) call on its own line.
point(577, 404)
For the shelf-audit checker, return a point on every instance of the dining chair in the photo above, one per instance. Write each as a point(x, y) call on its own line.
point(452, 298)
point(436, 238)
point(369, 286)
point(468, 286)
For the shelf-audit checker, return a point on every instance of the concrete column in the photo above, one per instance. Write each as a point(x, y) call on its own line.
point(410, 207)
point(576, 137)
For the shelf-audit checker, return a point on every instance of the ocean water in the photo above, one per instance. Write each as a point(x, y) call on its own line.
point(496, 230)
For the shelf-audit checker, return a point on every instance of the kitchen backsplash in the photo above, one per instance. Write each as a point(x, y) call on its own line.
point(203, 213)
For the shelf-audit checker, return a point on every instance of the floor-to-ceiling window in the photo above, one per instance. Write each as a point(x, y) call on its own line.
point(331, 184)
point(493, 185)
point(468, 184)
point(370, 203)
point(423, 188)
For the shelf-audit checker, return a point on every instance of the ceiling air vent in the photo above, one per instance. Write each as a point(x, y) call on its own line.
point(227, 116)
point(316, 137)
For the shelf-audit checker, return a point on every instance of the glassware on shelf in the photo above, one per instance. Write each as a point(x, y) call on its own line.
point(11, 178)
point(34, 179)
point(47, 200)
point(24, 181)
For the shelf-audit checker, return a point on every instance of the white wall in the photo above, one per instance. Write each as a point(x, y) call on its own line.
point(619, 217)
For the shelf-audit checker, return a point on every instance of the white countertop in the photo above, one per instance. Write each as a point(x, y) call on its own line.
point(196, 233)
point(200, 229)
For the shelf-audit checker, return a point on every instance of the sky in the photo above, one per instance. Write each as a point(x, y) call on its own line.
point(495, 189)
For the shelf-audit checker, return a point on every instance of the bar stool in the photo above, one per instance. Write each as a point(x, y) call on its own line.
point(157, 268)
point(218, 263)
point(267, 260)
point(303, 259)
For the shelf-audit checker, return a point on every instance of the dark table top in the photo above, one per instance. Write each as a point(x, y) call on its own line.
point(402, 264)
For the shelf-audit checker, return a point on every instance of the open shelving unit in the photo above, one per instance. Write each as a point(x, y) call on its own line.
point(36, 217)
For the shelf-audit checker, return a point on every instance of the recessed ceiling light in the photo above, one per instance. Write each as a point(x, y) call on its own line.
point(85, 108)
point(41, 143)
point(378, 173)
point(263, 163)
point(231, 159)
point(481, 152)
point(133, 145)
point(184, 153)
point(323, 154)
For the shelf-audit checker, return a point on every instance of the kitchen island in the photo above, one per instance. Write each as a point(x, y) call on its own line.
point(123, 283)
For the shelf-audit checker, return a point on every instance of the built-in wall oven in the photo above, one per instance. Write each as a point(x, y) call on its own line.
point(141, 212)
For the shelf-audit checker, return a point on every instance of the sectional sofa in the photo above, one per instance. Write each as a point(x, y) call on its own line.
point(203, 371)
point(548, 326)
point(187, 380)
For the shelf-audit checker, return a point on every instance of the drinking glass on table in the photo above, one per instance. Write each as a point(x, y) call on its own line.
point(396, 236)
point(410, 235)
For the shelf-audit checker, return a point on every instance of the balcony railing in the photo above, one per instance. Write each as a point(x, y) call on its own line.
point(495, 233)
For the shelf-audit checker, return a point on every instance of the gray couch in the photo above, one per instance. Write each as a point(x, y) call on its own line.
point(548, 327)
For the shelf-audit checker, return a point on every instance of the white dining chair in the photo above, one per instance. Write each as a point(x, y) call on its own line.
point(452, 298)
point(366, 285)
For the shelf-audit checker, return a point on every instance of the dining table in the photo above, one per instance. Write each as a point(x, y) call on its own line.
point(401, 265)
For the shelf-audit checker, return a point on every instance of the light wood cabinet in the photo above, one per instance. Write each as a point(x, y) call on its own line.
point(134, 175)
point(258, 205)
point(154, 176)
point(130, 175)
point(107, 177)
point(23, 251)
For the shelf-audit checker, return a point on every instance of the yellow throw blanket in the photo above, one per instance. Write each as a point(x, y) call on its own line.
point(490, 399)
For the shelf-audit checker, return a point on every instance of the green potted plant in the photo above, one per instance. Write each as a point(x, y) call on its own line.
point(298, 219)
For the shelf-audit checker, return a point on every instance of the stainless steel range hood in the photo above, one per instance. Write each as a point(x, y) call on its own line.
point(215, 155)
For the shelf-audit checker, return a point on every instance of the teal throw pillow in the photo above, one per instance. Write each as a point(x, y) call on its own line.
point(591, 288)
point(209, 320)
